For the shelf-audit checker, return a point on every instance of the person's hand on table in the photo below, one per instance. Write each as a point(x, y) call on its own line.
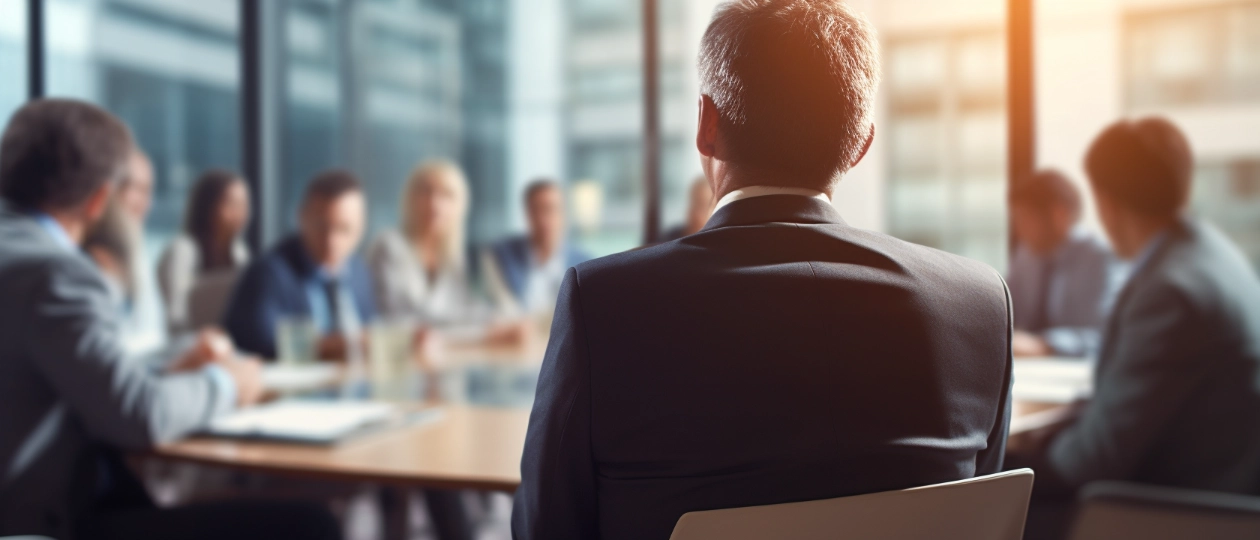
point(211, 346)
point(246, 373)
point(427, 348)
point(513, 334)
point(1025, 344)
point(336, 347)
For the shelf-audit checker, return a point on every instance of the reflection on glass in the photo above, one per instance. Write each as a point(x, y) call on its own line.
point(169, 68)
point(12, 57)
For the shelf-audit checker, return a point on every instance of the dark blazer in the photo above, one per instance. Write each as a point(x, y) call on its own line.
point(778, 355)
point(513, 257)
point(69, 397)
point(274, 286)
point(1177, 386)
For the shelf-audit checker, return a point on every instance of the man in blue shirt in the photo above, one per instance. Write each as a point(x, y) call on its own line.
point(313, 274)
point(523, 273)
point(1062, 277)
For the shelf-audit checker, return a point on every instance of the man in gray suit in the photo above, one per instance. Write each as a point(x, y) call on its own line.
point(1177, 386)
point(71, 398)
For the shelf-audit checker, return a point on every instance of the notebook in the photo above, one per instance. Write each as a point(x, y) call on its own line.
point(308, 421)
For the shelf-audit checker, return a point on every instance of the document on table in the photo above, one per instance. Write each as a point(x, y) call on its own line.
point(1053, 380)
point(287, 379)
point(311, 422)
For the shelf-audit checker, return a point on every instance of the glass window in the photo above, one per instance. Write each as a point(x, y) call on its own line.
point(1191, 61)
point(12, 57)
point(936, 174)
point(946, 149)
point(511, 91)
point(1191, 52)
point(170, 69)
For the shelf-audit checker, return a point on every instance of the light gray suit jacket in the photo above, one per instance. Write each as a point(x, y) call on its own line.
point(1177, 386)
point(66, 388)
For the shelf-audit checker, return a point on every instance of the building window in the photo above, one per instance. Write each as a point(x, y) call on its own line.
point(170, 69)
point(12, 57)
point(947, 142)
point(513, 90)
point(1193, 55)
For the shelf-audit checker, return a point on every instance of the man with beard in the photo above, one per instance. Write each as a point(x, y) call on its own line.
point(72, 398)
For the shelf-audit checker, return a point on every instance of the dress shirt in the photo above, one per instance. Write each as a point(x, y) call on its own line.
point(222, 381)
point(144, 319)
point(1064, 298)
point(542, 286)
point(761, 191)
point(345, 320)
point(406, 290)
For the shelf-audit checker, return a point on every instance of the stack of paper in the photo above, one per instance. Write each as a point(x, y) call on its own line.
point(1053, 380)
point(316, 422)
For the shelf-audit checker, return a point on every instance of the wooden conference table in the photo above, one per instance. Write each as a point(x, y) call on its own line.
point(479, 447)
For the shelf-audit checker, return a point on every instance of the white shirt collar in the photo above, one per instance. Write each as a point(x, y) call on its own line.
point(762, 191)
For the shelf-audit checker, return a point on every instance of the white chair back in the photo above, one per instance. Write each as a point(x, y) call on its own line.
point(1122, 511)
point(986, 508)
point(209, 297)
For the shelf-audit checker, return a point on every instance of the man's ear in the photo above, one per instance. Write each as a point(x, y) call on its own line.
point(97, 202)
point(707, 127)
point(870, 138)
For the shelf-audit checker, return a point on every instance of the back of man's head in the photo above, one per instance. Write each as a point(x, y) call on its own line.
point(1046, 190)
point(56, 153)
point(1144, 165)
point(794, 83)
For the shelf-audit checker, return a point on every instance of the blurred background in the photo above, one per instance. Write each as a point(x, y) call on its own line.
point(518, 89)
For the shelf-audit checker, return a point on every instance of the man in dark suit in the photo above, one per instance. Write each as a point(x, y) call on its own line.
point(523, 273)
point(314, 274)
point(72, 399)
point(1177, 387)
point(779, 354)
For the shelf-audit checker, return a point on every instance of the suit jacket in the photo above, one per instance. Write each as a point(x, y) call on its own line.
point(778, 355)
point(1177, 385)
point(275, 286)
point(514, 258)
point(68, 392)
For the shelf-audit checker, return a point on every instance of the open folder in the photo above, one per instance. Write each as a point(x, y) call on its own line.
point(313, 422)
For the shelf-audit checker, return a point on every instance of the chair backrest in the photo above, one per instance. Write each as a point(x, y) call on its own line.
point(209, 297)
point(985, 508)
point(1118, 511)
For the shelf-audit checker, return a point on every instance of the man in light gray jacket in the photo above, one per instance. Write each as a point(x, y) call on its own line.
point(71, 399)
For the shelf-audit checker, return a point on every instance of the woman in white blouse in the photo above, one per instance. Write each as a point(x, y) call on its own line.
point(420, 271)
point(210, 246)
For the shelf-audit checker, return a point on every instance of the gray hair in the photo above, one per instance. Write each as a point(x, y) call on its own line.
point(794, 83)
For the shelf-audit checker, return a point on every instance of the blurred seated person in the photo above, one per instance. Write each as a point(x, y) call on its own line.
point(1061, 275)
point(143, 319)
point(111, 244)
point(216, 215)
point(421, 270)
point(312, 275)
point(73, 398)
point(1176, 398)
point(699, 208)
point(523, 274)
